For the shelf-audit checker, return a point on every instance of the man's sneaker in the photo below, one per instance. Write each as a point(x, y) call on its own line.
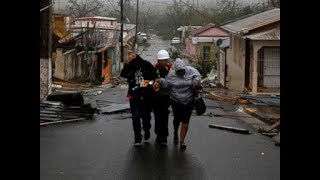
point(146, 135)
point(163, 142)
point(183, 146)
point(137, 143)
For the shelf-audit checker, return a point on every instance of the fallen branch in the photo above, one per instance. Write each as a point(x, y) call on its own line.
point(233, 129)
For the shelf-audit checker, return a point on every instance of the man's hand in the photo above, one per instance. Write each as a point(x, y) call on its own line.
point(156, 85)
point(144, 83)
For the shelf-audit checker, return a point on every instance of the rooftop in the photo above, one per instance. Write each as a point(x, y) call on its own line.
point(253, 22)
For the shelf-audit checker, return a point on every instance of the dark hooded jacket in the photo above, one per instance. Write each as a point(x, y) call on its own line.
point(136, 71)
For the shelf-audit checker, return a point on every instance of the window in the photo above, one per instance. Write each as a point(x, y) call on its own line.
point(206, 53)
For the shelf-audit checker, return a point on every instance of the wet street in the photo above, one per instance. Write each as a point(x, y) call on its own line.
point(156, 44)
point(102, 148)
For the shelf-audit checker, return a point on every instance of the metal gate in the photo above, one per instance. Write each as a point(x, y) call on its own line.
point(269, 67)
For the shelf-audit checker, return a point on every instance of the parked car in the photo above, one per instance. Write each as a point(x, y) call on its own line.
point(175, 40)
point(142, 37)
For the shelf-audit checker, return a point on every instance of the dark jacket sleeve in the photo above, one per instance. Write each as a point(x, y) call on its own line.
point(152, 70)
point(125, 71)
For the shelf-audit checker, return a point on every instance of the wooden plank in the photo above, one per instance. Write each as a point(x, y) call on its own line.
point(233, 129)
point(49, 115)
point(270, 134)
point(62, 121)
point(66, 112)
point(69, 108)
point(49, 119)
point(56, 103)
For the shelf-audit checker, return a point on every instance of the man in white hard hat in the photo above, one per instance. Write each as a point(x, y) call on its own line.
point(162, 98)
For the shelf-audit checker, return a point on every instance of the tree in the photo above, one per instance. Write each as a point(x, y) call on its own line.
point(274, 3)
point(85, 7)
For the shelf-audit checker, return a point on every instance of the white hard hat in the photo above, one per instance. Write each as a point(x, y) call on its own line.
point(163, 54)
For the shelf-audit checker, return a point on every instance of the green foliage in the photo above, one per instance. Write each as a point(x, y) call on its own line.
point(174, 54)
point(204, 67)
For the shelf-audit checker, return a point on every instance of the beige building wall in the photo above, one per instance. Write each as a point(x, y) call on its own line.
point(70, 65)
point(236, 63)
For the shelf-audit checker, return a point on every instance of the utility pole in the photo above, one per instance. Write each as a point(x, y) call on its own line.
point(50, 47)
point(135, 39)
point(121, 33)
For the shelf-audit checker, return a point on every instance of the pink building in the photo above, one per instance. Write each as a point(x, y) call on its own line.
point(205, 34)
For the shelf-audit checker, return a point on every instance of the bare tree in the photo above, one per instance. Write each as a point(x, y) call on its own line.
point(83, 8)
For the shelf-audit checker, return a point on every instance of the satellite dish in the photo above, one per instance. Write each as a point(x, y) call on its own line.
point(219, 42)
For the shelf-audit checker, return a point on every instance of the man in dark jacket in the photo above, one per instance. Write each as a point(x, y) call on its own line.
point(139, 73)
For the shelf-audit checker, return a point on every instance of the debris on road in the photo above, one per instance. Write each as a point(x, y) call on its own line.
point(51, 111)
point(271, 134)
point(267, 114)
point(233, 129)
point(67, 87)
point(267, 130)
point(114, 107)
point(62, 121)
point(271, 100)
point(69, 99)
point(277, 139)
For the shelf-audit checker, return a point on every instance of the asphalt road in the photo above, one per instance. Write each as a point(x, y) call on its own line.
point(102, 148)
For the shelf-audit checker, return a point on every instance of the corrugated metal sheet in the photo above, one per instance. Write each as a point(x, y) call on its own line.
point(254, 21)
point(273, 34)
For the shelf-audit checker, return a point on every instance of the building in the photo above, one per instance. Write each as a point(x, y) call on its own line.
point(253, 56)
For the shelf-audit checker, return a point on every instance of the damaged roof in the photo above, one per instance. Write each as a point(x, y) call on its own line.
point(209, 30)
point(273, 34)
point(203, 28)
point(253, 22)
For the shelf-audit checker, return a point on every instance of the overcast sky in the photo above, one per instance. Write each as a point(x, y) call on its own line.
point(62, 3)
